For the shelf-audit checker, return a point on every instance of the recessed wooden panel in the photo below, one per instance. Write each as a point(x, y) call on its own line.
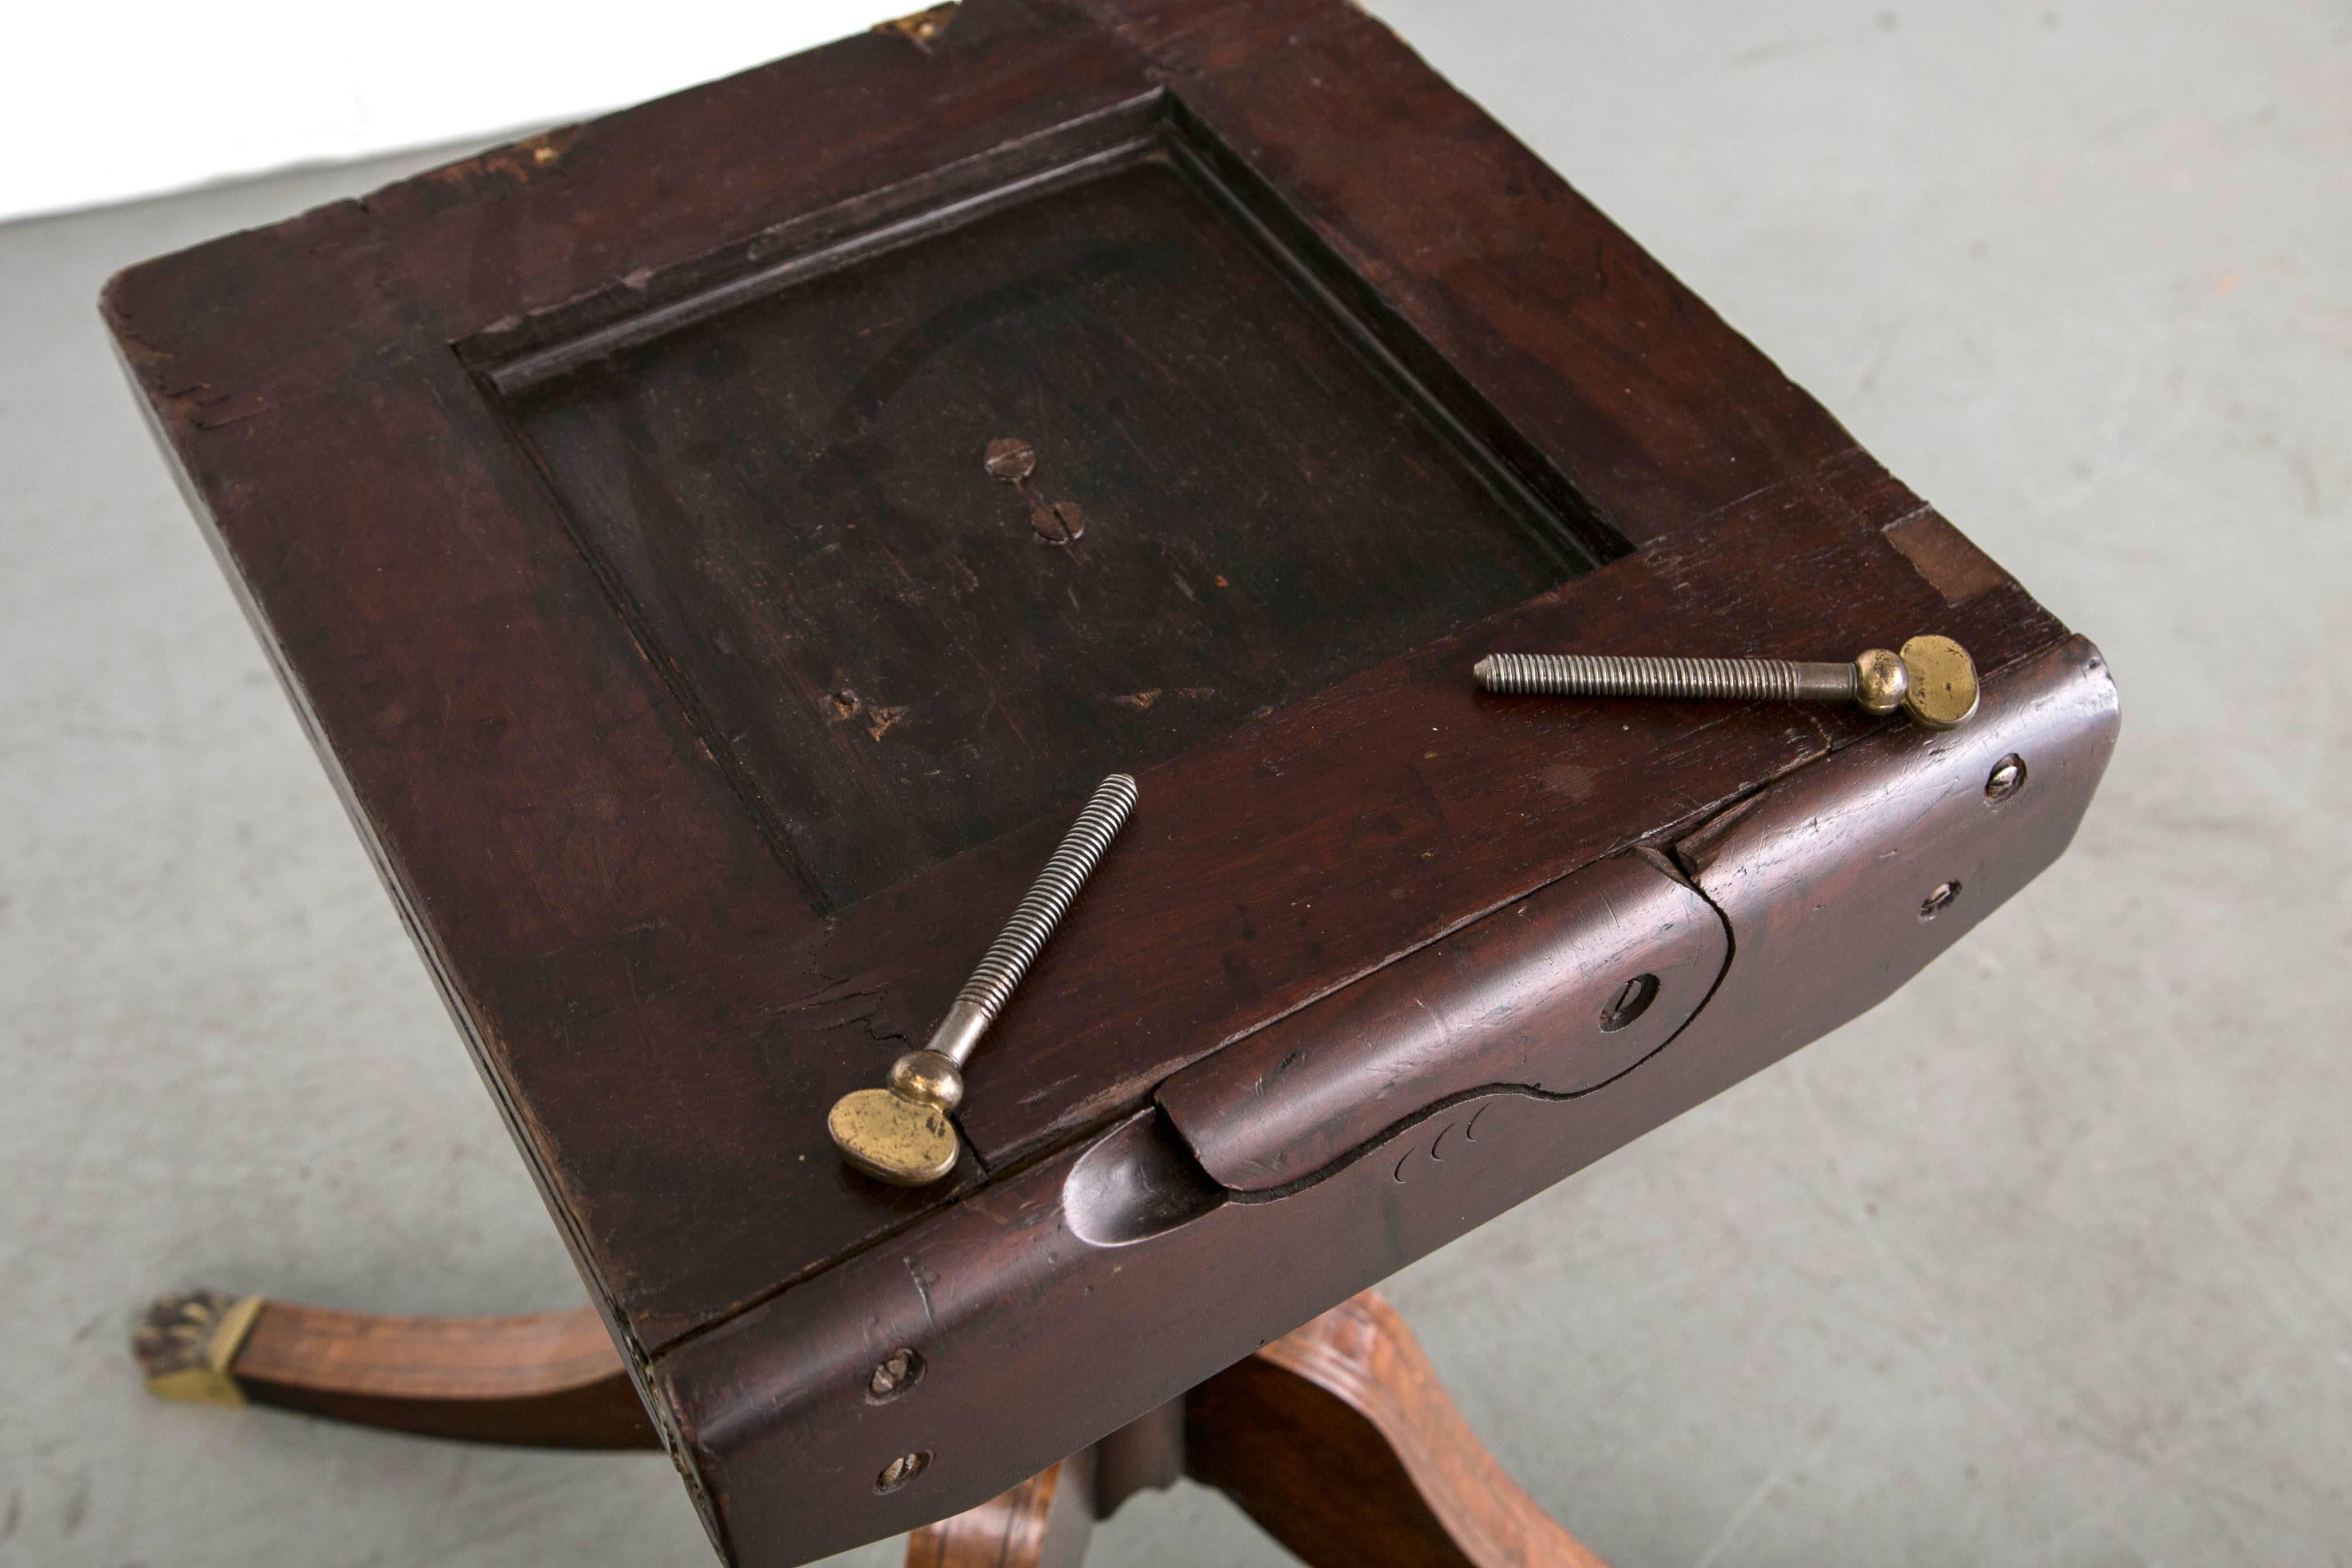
point(791, 502)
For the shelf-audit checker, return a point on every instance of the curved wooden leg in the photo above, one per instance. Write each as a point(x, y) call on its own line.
point(1339, 1440)
point(544, 1379)
point(1044, 1522)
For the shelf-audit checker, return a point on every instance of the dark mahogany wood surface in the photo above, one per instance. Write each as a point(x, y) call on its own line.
point(792, 497)
point(1561, 992)
point(531, 482)
point(1105, 1280)
point(660, 1011)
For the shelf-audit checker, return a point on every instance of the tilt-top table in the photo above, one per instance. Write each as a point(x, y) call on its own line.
point(715, 550)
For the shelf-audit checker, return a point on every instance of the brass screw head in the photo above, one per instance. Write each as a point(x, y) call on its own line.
point(900, 1133)
point(1942, 692)
point(893, 1137)
point(1932, 679)
point(1880, 681)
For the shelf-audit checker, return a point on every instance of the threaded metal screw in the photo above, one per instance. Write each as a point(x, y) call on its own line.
point(1588, 674)
point(899, 1134)
point(1932, 679)
point(1008, 958)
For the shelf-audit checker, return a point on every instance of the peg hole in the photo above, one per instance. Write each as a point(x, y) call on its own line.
point(894, 1374)
point(1633, 1000)
point(2007, 776)
point(902, 1469)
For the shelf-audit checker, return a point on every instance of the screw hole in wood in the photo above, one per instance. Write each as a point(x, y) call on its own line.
point(1633, 1000)
point(894, 1374)
point(2007, 776)
point(902, 1469)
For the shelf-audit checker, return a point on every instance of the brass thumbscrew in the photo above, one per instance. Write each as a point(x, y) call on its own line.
point(1932, 679)
point(902, 1134)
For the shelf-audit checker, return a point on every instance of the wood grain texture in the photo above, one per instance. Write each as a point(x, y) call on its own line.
point(791, 498)
point(1337, 1438)
point(661, 1014)
point(1873, 830)
point(1340, 1439)
point(1044, 1522)
point(578, 812)
point(1029, 1301)
point(1946, 557)
point(541, 1379)
point(1261, 872)
point(1525, 996)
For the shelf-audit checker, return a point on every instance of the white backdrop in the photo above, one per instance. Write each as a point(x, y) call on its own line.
point(103, 102)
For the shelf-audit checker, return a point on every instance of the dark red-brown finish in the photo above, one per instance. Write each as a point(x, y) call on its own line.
point(1561, 992)
point(1110, 1278)
point(1805, 967)
point(791, 496)
point(527, 478)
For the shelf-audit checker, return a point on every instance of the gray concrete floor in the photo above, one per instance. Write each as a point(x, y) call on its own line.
point(2048, 1260)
